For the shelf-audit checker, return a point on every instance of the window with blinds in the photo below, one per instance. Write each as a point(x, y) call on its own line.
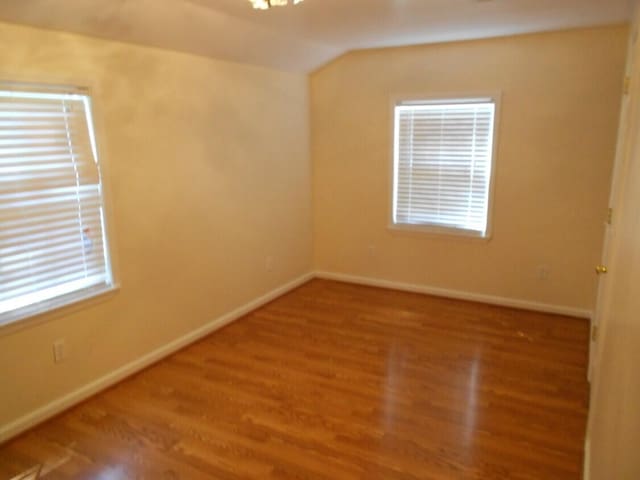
point(443, 161)
point(53, 246)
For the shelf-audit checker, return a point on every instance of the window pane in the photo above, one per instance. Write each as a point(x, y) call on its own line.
point(52, 234)
point(443, 162)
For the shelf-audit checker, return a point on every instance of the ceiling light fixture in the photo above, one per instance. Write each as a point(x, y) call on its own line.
point(267, 4)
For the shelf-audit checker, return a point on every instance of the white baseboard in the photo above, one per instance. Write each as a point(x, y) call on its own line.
point(63, 403)
point(586, 469)
point(57, 406)
point(458, 294)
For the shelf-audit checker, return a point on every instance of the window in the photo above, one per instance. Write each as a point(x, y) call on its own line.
point(53, 246)
point(443, 162)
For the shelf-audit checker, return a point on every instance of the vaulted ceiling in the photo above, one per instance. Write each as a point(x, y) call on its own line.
point(305, 36)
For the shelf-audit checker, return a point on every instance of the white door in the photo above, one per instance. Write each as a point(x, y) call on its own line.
point(628, 126)
point(614, 417)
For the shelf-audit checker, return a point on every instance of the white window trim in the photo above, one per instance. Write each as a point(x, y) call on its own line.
point(40, 312)
point(30, 314)
point(436, 230)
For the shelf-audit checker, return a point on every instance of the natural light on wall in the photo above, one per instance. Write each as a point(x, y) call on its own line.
point(443, 163)
point(53, 243)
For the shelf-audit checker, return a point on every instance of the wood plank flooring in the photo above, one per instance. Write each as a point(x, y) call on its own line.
point(338, 381)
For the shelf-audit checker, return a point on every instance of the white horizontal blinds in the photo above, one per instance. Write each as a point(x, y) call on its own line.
point(443, 155)
point(52, 239)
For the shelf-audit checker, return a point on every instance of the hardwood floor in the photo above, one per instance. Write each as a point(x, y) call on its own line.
point(337, 381)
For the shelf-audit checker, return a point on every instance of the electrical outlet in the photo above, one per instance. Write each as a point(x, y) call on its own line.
point(268, 264)
point(543, 272)
point(372, 251)
point(59, 351)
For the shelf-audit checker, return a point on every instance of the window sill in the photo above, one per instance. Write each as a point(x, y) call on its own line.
point(435, 231)
point(50, 310)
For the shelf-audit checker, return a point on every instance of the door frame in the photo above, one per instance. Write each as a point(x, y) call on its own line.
point(623, 144)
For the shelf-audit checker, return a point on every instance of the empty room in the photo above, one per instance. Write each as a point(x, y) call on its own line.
point(319, 239)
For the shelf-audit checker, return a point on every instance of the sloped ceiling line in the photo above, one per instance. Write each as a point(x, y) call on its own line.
point(302, 38)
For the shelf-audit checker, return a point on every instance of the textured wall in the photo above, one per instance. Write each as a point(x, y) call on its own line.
point(560, 103)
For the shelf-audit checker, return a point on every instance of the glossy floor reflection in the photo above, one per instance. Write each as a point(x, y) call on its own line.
point(336, 381)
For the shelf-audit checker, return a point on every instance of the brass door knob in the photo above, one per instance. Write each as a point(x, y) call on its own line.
point(601, 269)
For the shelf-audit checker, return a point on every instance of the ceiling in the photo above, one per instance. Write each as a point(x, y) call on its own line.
point(306, 36)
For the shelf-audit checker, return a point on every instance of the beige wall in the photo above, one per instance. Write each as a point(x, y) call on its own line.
point(208, 168)
point(560, 102)
point(614, 423)
point(209, 172)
